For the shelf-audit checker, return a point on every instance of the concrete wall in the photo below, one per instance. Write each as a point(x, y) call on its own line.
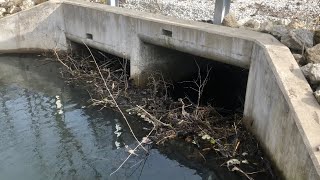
point(282, 112)
point(279, 109)
point(40, 28)
point(127, 33)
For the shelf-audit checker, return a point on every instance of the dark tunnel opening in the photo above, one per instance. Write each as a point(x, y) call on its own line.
point(225, 89)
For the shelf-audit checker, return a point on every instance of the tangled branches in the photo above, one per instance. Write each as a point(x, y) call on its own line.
point(106, 79)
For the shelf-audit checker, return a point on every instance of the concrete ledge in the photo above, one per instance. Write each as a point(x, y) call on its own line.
point(279, 108)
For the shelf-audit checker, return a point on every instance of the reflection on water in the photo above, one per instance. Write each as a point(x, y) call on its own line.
point(46, 133)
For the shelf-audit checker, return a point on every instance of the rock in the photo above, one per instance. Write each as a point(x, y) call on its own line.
point(230, 21)
point(282, 22)
point(6, 3)
point(17, 2)
point(279, 31)
point(295, 24)
point(312, 72)
point(26, 4)
point(254, 24)
point(317, 94)
point(316, 38)
point(266, 27)
point(300, 59)
point(14, 9)
point(313, 54)
point(2, 10)
point(298, 39)
point(36, 2)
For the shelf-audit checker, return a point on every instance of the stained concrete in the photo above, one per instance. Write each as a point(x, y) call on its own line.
point(279, 108)
point(40, 28)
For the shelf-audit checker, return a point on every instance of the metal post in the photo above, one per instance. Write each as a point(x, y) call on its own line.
point(113, 2)
point(221, 9)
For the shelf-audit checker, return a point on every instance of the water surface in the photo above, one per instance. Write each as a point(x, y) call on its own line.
point(47, 132)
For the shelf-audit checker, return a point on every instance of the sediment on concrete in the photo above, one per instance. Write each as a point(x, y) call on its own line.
point(279, 108)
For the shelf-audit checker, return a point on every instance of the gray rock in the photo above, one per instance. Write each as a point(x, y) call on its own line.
point(279, 31)
point(266, 27)
point(316, 38)
point(313, 54)
point(36, 2)
point(254, 24)
point(300, 59)
point(230, 21)
point(295, 24)
point(312, 72)
point(2, 11)
point(298, 39)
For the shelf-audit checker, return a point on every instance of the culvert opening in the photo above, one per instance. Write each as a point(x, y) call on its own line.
point(213, 127)
point(225, 85)
point(224, 89)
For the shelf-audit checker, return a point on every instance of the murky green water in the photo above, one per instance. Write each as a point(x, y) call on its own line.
point(47, 133)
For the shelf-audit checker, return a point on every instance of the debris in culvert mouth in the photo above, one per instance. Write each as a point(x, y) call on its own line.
point(201, 126)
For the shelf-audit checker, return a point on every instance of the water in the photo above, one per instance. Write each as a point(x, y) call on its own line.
point(47, 133)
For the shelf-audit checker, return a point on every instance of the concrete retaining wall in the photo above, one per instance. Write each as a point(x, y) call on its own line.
point(40, 28)
point(279, 109)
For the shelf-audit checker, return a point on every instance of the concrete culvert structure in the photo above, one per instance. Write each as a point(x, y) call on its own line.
point(279, 106)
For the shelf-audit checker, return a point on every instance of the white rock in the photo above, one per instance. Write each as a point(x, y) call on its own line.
point(26, 4)
point(313, 54)
point(317, 94)
point(312, 72)
point(2, 11)
point(14, 9)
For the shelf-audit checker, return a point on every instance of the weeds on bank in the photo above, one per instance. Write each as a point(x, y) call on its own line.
point(107, 82)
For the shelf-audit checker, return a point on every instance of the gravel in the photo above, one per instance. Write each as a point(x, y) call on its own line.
point(275, 10)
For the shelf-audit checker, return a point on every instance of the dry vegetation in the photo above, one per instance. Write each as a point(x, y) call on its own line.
point(107, 81)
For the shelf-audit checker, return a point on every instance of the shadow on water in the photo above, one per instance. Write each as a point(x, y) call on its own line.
point(47, 132)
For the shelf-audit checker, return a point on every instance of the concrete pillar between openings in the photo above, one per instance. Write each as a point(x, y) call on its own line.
point(221, 9)
point(147, 59)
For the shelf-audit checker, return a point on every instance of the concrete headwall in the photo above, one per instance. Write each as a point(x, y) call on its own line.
point(279, 108)
point(128, 34)
point(282, 112)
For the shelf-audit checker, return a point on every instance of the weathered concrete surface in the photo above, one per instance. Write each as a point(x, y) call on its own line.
point(124, 33)
point(40, 28)
point(280, 108)
point(282, 112)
